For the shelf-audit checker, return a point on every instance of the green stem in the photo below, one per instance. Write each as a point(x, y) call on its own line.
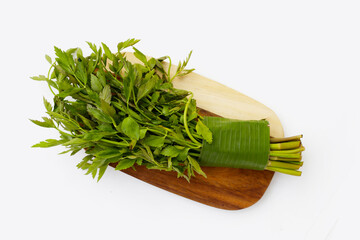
point(80, 83)
point(188, 144)
point(285, 145)
point(48, 77)
point(296, 150)
point(174, 76)
point(194, 154)
point(115, 143)
point(294, 138)
point(141, 112)
point(185, 121)
point(286, 155)
point(116, 79)
point(169, 68)
point(273, 158)
point(286, 171)
point(297, 163)
point(83, 98)
point(286, 165)
point(64, 133)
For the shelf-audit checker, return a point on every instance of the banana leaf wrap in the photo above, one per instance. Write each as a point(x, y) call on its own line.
point(236, 144)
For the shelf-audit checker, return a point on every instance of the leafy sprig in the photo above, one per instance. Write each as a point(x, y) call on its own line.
point(123, 113)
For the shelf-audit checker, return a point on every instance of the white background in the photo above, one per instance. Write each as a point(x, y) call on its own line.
point(300, 58)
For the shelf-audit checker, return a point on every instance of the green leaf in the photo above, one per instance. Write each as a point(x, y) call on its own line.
point(107, 52)
point(79, 52)
point(39, 78)
point(130, 128)
point(119, 105)
point(47, 105)
point(147, 155)
point(75, 141)
point(71, 51)
point(181, 66)
point(165, 86)
point(204, 131)
point(81, 72)
point(171, 151)
point(99, 115)
point(117, 110)
point(94, 96)
point(127, 43)
point(92, 46)
point(143, 132)
point(139, 161)
point(105, 94)
point(64, 85)
point(236, 144)
point(155, 97)
point(100, 75)
point(95, 83)
point(183, 154)
point(69, 92)
point(102, 170)
point(75, 151)
point(48, 58)
point(68, 123)
point(139, 55)
point(125, 163)
point(96, 164)
point(174, 119)
point(129, 81)
point(49, 121)
point(146, 88)
point(86, 121)
point(105, 127)
point(154, 141)
point(134, 114)
point(109, 153)
point(96, 135)
point(66, 151)
point(94, 172)
point(178, 134)
point(84, 162)
point(107, 108)
point(49, 143)
point(152, 63)
point(42, 124)
point(65, 60)
point(57, 116)
point(165, 110)
point(185, 72)
point(196, 166)
point(52, 83)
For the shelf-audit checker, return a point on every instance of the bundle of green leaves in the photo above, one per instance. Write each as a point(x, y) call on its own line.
point(122, 112)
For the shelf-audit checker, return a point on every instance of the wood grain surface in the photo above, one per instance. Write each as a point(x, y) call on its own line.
point(225, 188)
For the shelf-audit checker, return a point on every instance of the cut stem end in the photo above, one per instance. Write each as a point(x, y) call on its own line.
point(285, 155)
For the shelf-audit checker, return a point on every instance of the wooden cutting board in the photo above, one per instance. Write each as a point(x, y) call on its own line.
point(225, 188)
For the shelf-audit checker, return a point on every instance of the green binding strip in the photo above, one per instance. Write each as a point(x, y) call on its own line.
point(236, 144)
